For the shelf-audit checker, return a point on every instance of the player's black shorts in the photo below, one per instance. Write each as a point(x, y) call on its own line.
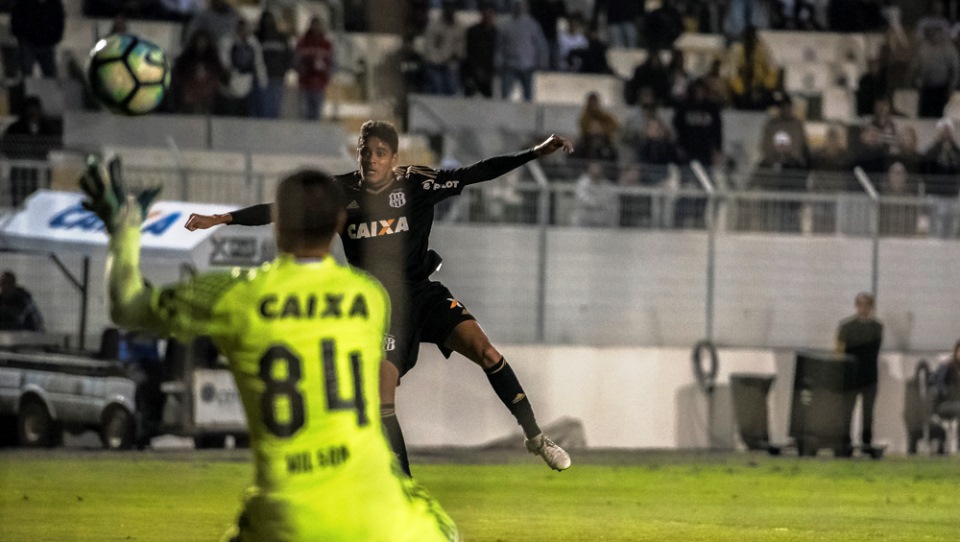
point(432, 313)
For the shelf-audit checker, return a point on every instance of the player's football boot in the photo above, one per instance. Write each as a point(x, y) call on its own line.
point(552, 455)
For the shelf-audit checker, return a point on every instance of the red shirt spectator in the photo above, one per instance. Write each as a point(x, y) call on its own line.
point(314, 57)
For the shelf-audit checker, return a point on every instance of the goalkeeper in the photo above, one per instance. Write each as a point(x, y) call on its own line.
point(303, 335)
point(389, 219)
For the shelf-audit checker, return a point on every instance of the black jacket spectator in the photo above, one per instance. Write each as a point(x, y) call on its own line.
point(652, 75)
point(17, 308)
point(593, 59)
point(478, 70)
point(38, 22)
point(698, 126)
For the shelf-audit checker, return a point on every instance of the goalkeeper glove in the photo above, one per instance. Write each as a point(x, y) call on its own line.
point(107, 197)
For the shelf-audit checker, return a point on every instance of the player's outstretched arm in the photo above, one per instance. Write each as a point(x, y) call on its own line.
point(491, 168)
point(122, 215)
point(255, 215)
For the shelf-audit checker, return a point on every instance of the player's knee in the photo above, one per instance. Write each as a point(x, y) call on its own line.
point(489, 356)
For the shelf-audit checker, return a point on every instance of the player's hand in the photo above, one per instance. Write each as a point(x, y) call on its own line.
point(107, 197)
point(202, 222)
point(553, 144)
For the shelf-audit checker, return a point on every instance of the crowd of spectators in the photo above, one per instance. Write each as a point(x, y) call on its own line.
point(229, 65)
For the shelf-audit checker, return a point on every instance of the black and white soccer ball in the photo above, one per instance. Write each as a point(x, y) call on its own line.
point(128, 74)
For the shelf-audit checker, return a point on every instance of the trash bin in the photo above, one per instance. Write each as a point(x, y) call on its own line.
point(750, 407)
point(824, 394)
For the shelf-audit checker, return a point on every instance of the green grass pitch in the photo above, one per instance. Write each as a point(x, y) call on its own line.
point(187, 496)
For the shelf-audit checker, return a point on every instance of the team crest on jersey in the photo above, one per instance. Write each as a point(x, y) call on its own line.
point(389, 343)
point(398, 199)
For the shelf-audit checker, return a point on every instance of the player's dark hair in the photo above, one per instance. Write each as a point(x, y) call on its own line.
point(381, 130)
point(307, 210)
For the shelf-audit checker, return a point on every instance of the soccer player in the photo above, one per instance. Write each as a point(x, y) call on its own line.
point(304, 336)
point(389, 217)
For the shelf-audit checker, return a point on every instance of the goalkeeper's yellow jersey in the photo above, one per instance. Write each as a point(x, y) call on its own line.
point(304, 343)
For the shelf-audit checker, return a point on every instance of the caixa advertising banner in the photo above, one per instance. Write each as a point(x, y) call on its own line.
point(52, 221)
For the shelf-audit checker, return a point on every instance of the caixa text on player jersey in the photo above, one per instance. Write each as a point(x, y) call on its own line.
point(377, 228)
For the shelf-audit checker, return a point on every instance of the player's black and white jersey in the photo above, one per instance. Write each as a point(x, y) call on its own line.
point(387, 232)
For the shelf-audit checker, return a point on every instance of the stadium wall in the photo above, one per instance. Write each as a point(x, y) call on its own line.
point(624, 397)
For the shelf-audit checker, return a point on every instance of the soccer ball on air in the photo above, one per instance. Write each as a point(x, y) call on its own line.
point(128, 74)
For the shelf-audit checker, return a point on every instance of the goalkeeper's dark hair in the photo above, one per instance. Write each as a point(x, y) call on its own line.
point(307, 211)
point(382, 130)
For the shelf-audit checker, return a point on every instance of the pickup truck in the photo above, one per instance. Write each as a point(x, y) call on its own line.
point(46, 389)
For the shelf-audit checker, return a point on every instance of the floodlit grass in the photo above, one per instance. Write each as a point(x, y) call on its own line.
point(184, 497)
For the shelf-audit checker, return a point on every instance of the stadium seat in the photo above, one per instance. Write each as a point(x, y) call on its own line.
point(572, 88)
point(808, 77)
point(838, 104)
point(906, 101)
point(700, 50)
point(624, 61)
point(279, 136)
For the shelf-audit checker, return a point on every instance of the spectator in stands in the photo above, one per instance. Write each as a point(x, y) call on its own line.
point(745, 14)
point(277, 60)
point(477, 70)
point(31, 137)
point(118, 25)
point(785, 121)
point(596, 204)
point(219, 19)
point(861, 336)
point(652, 75)
point(831, 163)
point(548, 13)
point(596, 144)
point(592, 59)
point(443, 43)
point(833, 155)
point(178, 10)
point(570, 39)
point(872, 153)
point(355, 16)
point(871, 86)
point(662, 27)
point(197, 77)
point(314, 58)
point(946, 388)
point(678, 77)
point(18, 311)
point(941, 167)
point(896, 56)
point(699, 127)
point(754, 76)
point(899, 217)
point(38, 26)
point(934, 19)
point(636, 124)
point(594, 112)
point(718, 90)
point(882, 120)
point(656, 148)
point(935, 72)
point(620, 17)
point(243, 58)
point(521, 50)
point(854, 15)
point(907, 152)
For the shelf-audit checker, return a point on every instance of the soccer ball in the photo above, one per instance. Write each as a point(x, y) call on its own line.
point(128, 74)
